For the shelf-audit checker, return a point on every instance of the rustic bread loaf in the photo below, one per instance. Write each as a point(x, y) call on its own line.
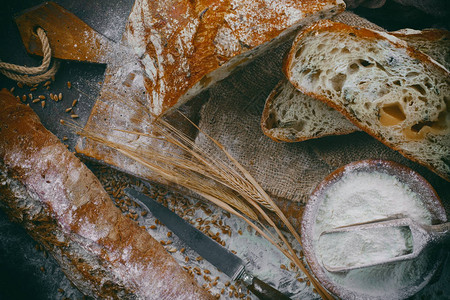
point(291, 116)
point(388, 89)
point(63, 206)
point(185, 46)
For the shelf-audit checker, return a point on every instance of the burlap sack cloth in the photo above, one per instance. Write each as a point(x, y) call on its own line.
point(285, 170)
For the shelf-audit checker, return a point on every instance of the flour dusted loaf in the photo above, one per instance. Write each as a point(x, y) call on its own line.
point(63, 206)
point(388, 89)
point(291, 116)
point(185, 46)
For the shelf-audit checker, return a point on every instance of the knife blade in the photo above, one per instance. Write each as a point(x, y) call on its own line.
point(216, 254)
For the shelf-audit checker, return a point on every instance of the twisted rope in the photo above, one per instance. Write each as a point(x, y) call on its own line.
point(33, 75)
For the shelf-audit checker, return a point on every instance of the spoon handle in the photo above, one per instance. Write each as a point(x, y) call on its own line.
point(440, 232)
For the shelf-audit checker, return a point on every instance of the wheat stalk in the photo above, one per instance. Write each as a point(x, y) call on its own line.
point(227, 184)
point(224, 173)
point(177, 170)
point(252, 187)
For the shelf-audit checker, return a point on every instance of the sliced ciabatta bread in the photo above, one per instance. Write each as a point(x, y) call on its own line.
point(291, 116)
point(388, 89)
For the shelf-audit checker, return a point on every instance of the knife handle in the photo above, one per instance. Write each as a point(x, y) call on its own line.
point(262, 290)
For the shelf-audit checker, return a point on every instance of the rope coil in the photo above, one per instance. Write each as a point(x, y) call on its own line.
point(33, 75)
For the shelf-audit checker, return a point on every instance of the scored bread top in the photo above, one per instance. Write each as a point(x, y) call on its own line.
point(388, 89)
point(185, 46)
point(291, 116)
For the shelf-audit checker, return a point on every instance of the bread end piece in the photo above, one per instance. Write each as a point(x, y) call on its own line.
point(291, 116)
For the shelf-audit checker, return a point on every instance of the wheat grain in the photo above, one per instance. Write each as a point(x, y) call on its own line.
point(226, 184)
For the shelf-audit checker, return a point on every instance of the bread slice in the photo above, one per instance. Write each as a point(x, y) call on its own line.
point(186, 46)
point(388, 89)
point(291, 116)
point(434, 42)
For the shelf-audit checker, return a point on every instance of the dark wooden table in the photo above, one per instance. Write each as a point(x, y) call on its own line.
point(21, 262)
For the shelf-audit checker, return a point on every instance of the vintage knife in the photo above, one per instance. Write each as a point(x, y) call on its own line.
point(206, 247)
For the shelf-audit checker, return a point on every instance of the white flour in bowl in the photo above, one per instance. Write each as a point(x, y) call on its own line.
point(362, 247)
point(361, 197)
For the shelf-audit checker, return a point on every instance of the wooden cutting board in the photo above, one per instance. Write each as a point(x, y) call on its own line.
point(122, 93)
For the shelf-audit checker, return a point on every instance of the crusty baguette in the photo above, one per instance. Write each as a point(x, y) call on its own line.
point(388, 89)
point(186, 46)
point(291, 116)
point(63, 206)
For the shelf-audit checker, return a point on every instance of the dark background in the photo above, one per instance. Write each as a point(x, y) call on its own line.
point(21, 262)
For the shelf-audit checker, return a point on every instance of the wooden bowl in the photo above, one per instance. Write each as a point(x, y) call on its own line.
point(333, 282)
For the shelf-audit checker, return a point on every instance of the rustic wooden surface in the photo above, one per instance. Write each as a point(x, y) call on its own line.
point(107, 17)
point(69, 37)
point(21, 276)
